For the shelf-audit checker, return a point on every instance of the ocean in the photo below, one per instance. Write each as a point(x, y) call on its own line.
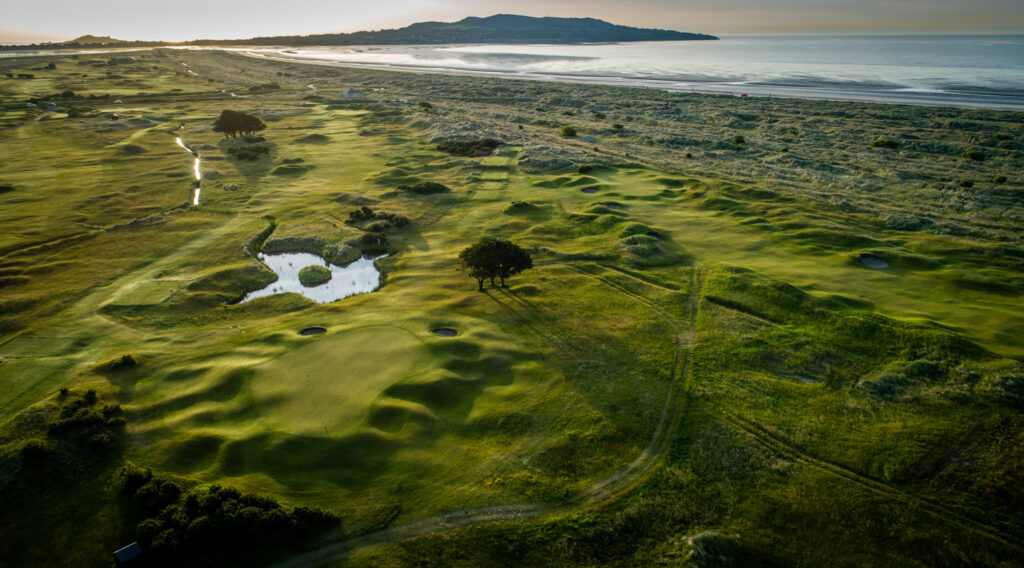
point(972, 71)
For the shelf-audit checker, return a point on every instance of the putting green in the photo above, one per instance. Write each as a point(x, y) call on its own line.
point(326, 388)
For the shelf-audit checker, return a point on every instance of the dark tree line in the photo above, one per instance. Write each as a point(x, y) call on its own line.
point(213, 525)
point(491, 258)
point(232, 123)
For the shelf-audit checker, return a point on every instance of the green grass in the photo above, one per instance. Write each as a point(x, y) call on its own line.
point(831, 413)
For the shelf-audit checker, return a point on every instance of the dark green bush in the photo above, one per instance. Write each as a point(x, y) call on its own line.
point(739, 139)
point(568, 131)
point(470, 148)
point(976, 155)
point(999, 179)
point(427, 188)
point(617, 126)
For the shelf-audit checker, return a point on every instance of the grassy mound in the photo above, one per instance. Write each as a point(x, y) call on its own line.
point(314, 275)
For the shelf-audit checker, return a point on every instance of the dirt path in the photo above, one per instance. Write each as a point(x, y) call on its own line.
point(605, 491)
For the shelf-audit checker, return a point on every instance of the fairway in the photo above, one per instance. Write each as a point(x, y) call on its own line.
point(326, 387)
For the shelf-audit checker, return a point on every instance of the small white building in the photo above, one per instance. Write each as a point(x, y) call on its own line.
point(351, 94)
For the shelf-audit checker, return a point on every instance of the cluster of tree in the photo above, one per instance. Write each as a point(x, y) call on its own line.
point(492, 258)
point(470, 148)
point(232, 123)
point(213, 525)
point(82, 420)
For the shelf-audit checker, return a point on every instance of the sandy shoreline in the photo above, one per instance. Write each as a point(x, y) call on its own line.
point(810, 89)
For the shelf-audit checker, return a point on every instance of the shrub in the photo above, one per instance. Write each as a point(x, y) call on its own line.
point(69, 94)
point(976, 155)
point(124, 362)
point(568, 131)
point(884, 143)
point(425, 105)
point(568, 113)
point(999, 179)
point(427, 188)
point(965, 183)
point(739, 139)
point(374, 239)
point(600, 115)
point(470, 148)
point(617, 126)
point(314, 275)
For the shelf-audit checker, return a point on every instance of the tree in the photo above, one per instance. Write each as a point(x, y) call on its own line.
point(232, 122)
point(512, 259)
point(490, 258)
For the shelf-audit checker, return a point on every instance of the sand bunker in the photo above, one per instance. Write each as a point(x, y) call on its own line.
point(445, 331)
point(612, 205)
point(313, 331)
point(872, 261)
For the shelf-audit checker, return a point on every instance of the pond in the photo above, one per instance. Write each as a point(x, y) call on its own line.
point(358, 277)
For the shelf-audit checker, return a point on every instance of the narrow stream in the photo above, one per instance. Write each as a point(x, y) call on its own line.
point(195, 171)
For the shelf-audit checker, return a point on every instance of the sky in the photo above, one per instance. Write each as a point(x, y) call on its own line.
point(57, 20)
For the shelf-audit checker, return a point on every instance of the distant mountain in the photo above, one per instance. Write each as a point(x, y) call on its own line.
point(95, 40)
point(501, 28)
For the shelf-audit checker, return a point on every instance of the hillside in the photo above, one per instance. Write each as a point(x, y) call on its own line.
point(94, 40)
point(501, 28)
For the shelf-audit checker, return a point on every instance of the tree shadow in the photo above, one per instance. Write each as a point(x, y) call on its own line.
point(252, 163)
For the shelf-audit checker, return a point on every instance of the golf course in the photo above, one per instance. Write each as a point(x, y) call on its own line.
point(755, 331)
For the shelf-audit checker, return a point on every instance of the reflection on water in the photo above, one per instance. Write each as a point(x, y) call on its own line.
point(195, 170)
point(359, 277)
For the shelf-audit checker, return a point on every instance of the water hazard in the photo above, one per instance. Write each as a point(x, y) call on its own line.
point(195, 171)
point(358, 277)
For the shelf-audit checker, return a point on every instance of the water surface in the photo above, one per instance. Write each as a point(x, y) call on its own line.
point(983, 71)
point(358, 277)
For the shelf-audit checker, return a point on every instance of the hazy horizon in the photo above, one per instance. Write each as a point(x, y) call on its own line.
point(190, 19)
